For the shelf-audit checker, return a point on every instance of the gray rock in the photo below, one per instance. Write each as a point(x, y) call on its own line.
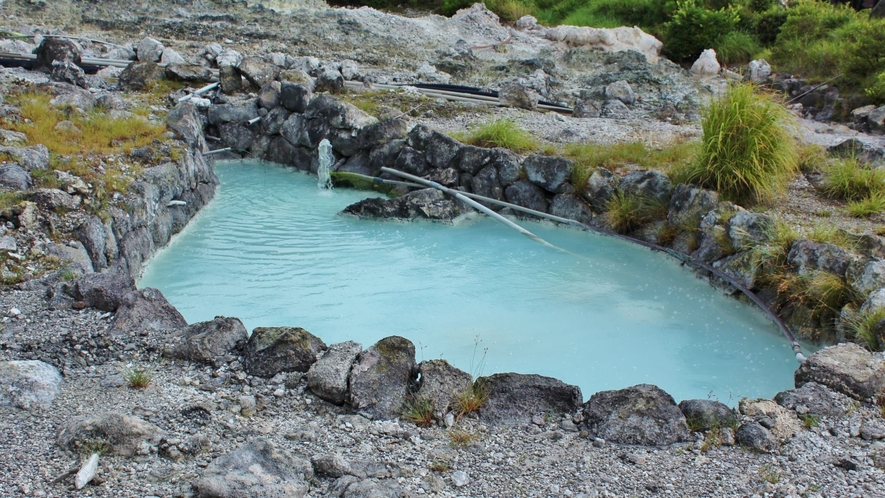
point(8, 243)
point(526, 194)
point(867, 276)
point(135, 248)
point(189, 73)
point(281, 151)
point(14, 177)
point(236, 135)
point(876, 120)
point(272, 350)
point(145, 311)
point(615, 109)
point(620, 90)
point(269, 95)
point(206, 342)
point(516, 94)
point(642, 414)
point(228, 57)
point(68, 72)
point(91, 234)
point(572, 207)
point(230, 80)
point(384, 155)
point(72, 255)
point(381, 376)
point(441, 150)
point(808, 256)
point(30, 158)
point(170, 56)
point(337, 114)
point(651, 184)
point(352, 487)
point(185, 121)
point(382, 132)
point(473, 159)
point(113, 433)
point(28, 384)
point(600, 188)
point(103, 291)
point(429, 204)
point(349, 69)
point(149, 50)
point(845, 368)
point(328, 376)
point(878, 10)
point(53, 199)
point(875, 301)
point(272, 122)
point(811, 399)
point(508, 165)
point(140, 75)
point(257, 71)
point(294, 97)
point(241, 111)
point(412, 161)
point(442, 383)
point(550, 173)
point(753, 436)
point(460, 478)
point(53, 49)
point(706, 414)
point(586, 109)
point(746, 229)
point(689, 204)
point(513, 399)
point(330, 80)
point(872, 429)
point(330, 465)
point(758, 70)
point(260, 469)
point(447, 177)
point(487, 183)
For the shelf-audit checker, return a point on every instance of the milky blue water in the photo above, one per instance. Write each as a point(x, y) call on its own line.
point(272, 250)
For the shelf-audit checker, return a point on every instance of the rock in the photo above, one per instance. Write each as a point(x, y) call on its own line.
point(600, 188)
point(111, 433)
point(614, 109)
point(550, 173)
point(412, 161)
point(28, 384)
point(758, 71)
point(706, 65)
point(54, 199)
point(526, 194)
point(185, 121)
point(650, 184)
point(808, 256)
point(103, 291)
point(206, 342)
point(878, 10)
point(91, 234)
point(782, 423)
point(140, 75)
point(642, 414)
point(876, 120)
point(572, 207)
point(86, 472)
point(430, 204)
point(230, 80)
point(352, 487)
point(189, 73)
point(269, 95)
point(689, 204)
point(845, 368)
point(228, 57)
point(73, 256)
point(706, 414)
point(460, 478)
point(149, 50)
point(8, 244)
point(330, 465)
point(514, 398)
point(757, 438)
point(257, 71)
point(144, 312)
point(442, 383)
point(260, 469)
point(340, 115)
point(586, 109)
point(349, 69)
point(516, 94)
point(441, 150)
point(294, 97)
point(746, 229)
point(328, 376)
point(382, 132)
point(235, 112)
point(68, 72)
point(53, 49)
point(381, 376)
point(620, 90)
point(867, 276)
point(330, 80)
point(875, 301)
point(31, 158)
point(272, 350)
point(14, 177)
point(872, 429)
point(811, 399)
point(608, 39)
point(170, 56)
point(487, 183)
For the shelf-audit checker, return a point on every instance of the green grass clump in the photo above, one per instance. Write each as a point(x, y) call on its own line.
point(138, 377)
point(868, 207)
point(589, 156)
point(500, 133)
point(471, 399)
point(418, 410)
point(628, 212)
point(9, 199)
point(747, 153)
point(736, 47)
point(847, 179)
point(864, 327)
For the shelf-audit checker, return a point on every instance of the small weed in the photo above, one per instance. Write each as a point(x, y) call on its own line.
point(711, 440)
point(590, 156)
point(67, 273)
point(471, 399)
point(812, 158)
point(500, 133)
point(92, 446)
point(440, 466)
point(864, 208)
point(770, 474)
point(10, 199)
point(461, 438)
point(627, 212)
point(809, 420)
point(865, 329)
point(418, 410)
point(137, 377)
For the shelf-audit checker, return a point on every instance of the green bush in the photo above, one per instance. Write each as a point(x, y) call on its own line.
point(747, 153)
point(847, 179)
point(876, 91)
point(736, 47)
point(809, 41)
point(693, 29)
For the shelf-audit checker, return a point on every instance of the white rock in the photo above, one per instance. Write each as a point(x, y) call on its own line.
point(460, 478)
point(758, 70)
point(609, 40)
point(149, 50)
point(7, 243)
point(28, 384)
point(171, 57)
point(706, 65)
point(349, 69)
point(228, 57)
point(87, 472)
point(526, 23)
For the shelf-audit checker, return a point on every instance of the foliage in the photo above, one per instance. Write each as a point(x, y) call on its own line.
point(736, 47)
point(867, 207)
point(809, 420)
point(461, 438)
point(812, 157)
point(692, 29)
point(500, 133)
point(747, 153)
point(418, 410)
point(471, 399)
point(864, 328)
point(876, 91)
point(863, 187)
point(589, 156)
point(137, 377)
point(627, 212)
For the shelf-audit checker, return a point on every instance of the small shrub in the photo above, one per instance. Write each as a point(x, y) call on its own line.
point(137, 377)
point(864, 328)
point(693, 29)
point(736, 47)
point(9, 199)
point(471, 399)
point(418, 410)
point(770, 474)
point(440, 466)
point(501, 133)
point(812, 158)
point(747, 154)
point(876, 91)
point(89, 447)
point(627, 212)
point(847, 179)
point(711, 440)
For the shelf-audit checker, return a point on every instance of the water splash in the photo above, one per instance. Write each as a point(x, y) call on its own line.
point(325, 157)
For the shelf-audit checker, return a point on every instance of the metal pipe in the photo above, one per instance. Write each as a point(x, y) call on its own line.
point(254, 120)
point(201, 91)
point(470, 202)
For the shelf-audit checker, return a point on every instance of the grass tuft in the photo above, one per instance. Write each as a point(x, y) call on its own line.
point(461, 438)
point(747, 154)
point(138, 377)
point(847, 179)
point(628, 212)
point(500, 133)
point(471, 399)
point(418, 410)
point(864, 327)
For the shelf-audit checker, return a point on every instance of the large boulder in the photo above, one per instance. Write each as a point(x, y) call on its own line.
point(149, 50)
point(746, 229)
point(513, 399)
point(651, 184)
point(600, 188)
point(54, 49)
point(550, 173)
point(272, 350)
point(257, 71)
point(189, 73)
point(260, 469)
point(808, 256)
point(185, 121)
point(206, 342)
point(642, 414)
point(140, 75)
point(572, 207)
point(234, 112)
point(28, 384)
point(441, 150)
point(706, 414)
point(867, 276)
point(689, 204)
point(328, 376)
point(113, 433)
point(381, 377)
point(145, 312)
point(811, 399)
point(382, 132)
point(845, 368)
point(14, 177)
point(428, 204)
point(294, 97)
point(103, 291)
point(91, 233)
point(442, 383)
